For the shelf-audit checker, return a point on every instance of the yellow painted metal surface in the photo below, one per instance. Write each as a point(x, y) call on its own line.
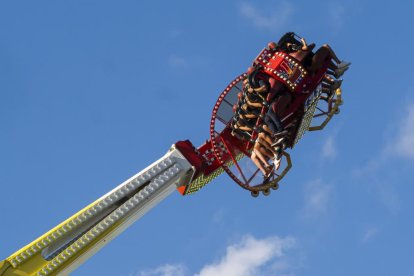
point(66, 246)
point(203, 180)
point(28, 260)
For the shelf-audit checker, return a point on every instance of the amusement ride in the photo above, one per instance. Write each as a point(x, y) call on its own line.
point(261, 115)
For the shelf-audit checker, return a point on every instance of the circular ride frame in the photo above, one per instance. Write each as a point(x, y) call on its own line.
point(229, 149)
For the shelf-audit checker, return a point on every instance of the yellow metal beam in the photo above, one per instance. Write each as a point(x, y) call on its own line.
point(66, 246)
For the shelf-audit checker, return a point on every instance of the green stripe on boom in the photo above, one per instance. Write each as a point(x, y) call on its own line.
point(203, 180)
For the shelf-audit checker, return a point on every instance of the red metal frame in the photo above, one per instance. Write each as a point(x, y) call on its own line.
point(282, 68)
point(223, 147)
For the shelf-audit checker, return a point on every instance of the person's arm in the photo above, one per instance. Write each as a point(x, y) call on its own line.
point(304, 45)
point(253, 104)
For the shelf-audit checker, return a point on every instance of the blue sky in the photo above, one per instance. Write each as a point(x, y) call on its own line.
point(94, 91)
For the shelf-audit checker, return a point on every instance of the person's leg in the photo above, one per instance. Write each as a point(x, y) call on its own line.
point(253, 104)
point(267, 129)
point(331, 53)
point(266, 143)
point(264, 152)
point(248, 116)
point(324, 54)
point(319, 58)
point(257, 162)
point(332, 66)
point(243, 127)
point(340, 67)
point(259, 157)
point(263, 136)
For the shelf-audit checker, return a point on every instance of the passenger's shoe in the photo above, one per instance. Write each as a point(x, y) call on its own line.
point(340, 71)
point(267, 177)
point(343, 64)
point(276, 162)
point(341, 68)
point(278, 142)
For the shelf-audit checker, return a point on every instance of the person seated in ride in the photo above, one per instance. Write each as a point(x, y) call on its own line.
point(278, 98)
point(245, 118)
point(313, 61)
point(301, 52)
point(324, 54)
point(248, 109)
point(267, 145)
point(276, 111)
point(267, 148)
point(274, 123)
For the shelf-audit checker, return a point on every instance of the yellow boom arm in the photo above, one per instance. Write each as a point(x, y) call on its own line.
point(65, 247)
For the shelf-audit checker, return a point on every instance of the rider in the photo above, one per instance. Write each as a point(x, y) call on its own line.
point(324, 54)
point(263, 149)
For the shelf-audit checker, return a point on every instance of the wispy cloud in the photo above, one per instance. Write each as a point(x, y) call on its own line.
point(249, 256)
point(329, 148)
point(380, 185)
point(399, 144)
point(388, 195)
point(317, 199)
point(175, 33)
point(273, 20)
point(336, 14)
point(403, 145)
point(369, 234)
point(175, 61)
point(166, 270)
point(219, 216)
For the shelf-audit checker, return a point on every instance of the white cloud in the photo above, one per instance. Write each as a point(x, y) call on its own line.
point(272, 20)
point(336, 15)
point(388, 196)
point(400, 144)
point(403, 145)
point(177, 62)
point(369, 234)
point(219, 216)
point(329, 149)
point(175, 33)
point(374, 177)
point(376, 173)
point(247, 258)
point(165, 270)
point(317, 199)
